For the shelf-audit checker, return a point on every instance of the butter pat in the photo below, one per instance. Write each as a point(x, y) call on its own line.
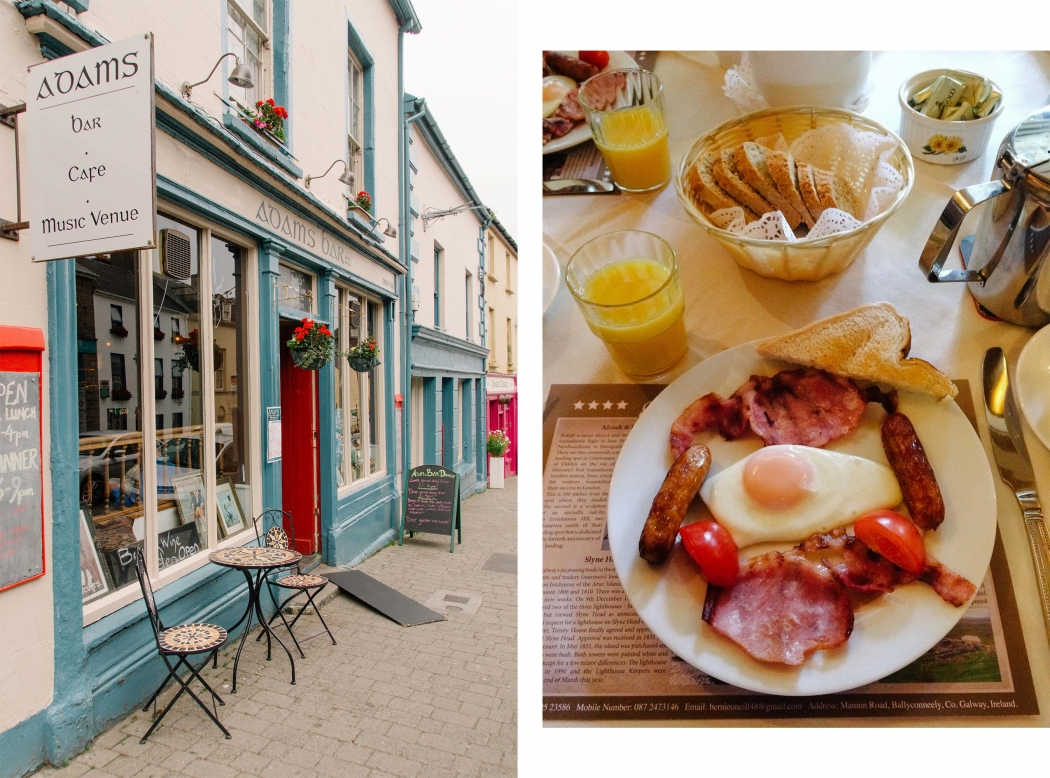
point(945, 92)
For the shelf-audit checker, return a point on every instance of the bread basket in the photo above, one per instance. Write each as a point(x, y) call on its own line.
point(802, 260)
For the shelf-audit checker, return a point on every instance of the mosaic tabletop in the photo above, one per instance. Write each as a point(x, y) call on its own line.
point(254, 556)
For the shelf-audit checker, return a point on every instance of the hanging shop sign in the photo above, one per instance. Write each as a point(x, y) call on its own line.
point(90, 124)
point(21, 479)
point(432, 503)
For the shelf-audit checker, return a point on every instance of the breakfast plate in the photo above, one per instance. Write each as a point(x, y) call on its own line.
point(618, 60)
point(551, 277)
point(889, 631)
point(1033, 384)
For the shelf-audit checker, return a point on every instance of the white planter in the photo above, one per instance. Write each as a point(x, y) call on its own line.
point(495, 472)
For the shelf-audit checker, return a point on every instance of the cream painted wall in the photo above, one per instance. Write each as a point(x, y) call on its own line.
point(26, 652)
point(502, 296)
point(458, 237)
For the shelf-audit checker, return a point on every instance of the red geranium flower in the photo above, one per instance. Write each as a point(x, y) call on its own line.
point(300, 336)
point(258, 103)
point(270, 100)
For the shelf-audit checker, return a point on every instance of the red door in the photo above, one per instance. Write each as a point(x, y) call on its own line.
point(300, 463)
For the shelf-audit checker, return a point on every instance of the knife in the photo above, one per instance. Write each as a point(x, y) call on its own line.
point(1015, 468)
point(560, 186)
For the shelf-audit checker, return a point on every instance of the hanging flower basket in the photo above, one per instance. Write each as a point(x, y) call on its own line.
point(311, 345)
point(308, 360)
point(362, 364)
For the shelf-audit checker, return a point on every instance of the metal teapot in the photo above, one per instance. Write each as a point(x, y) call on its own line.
point(1008, 272)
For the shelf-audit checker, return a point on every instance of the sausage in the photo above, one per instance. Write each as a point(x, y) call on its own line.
point(679, 488)
point(564, 65)
point(914, 474)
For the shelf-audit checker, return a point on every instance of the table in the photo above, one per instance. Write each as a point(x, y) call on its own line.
point(727, 305)
point(262, 560)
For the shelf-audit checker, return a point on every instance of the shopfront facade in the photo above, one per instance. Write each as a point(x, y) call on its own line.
point(501, 307)
point(447, 340)
point(163, 368)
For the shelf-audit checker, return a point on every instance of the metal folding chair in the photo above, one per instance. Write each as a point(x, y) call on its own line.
point(297, 582)
point(183, 642)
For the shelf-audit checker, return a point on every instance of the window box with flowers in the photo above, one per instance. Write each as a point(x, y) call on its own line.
point(178, 394)
point(122, 395)
point(268, 120)
point(119, 330)
point(364, 357)
point(311, 345)
point(158, 334)
point(496, 445)
point(359, 209)
point(161, 394)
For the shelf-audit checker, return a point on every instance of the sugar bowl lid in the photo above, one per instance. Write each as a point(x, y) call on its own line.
point(1025, 152)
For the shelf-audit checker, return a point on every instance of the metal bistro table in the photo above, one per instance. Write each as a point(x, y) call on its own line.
point(262, 561)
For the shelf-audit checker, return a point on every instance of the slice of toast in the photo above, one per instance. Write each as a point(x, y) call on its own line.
point(869, 343)
point(705, 190)
point(833, 191)
point(808, 188)
point(750, 160)
point(729, 179)
point(782, 169)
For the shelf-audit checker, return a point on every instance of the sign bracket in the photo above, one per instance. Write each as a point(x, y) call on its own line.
point(10, 229)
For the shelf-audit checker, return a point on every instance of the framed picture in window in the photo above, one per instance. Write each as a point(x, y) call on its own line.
point(189, 496)
point(231, 517)
point(94, 576)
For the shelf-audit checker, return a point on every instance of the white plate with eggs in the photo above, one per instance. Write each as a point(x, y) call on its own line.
point(890, 631)
point(618, 60)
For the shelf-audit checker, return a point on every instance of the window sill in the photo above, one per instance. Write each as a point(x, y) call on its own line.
point(273, 151)
point(354, 486)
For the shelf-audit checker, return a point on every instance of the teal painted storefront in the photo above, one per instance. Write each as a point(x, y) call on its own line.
point(106, 669)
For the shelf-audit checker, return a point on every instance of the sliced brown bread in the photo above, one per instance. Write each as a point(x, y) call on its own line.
point(833, 191)
point(701, 182)
point(808, 188)
point(869, 343)
point(782, 168)
point(750, 160)
point(729, 179)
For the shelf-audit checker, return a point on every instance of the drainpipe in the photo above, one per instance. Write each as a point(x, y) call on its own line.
point(483, 406)
point(406, 256)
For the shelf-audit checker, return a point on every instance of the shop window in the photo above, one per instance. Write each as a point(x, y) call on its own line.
point(174, 491)
point(230, 401)
point(437, 285)
point(468, 299)
point(110, 445)
point(248, 36)
point(358, 420)
point(466, 399)
point(295, 290)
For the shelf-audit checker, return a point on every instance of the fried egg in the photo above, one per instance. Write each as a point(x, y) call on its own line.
point(787, 493)
point(555, 88)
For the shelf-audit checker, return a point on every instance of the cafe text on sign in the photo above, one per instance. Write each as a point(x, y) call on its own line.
point(90, 124)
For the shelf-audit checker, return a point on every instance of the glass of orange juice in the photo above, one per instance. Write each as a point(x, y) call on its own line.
point(628, 288)
point(625, 111)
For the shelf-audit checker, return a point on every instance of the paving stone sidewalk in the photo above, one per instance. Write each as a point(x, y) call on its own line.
point(433, 700)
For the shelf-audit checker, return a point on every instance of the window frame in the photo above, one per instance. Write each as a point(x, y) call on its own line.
point(113, 601)
point(468, 294)
point(374, 378)
point(264, 72)
point(355, 140)
point(439, 255)
point(359, 53)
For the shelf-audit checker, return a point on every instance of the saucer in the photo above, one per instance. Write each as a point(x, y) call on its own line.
point(1033, 384)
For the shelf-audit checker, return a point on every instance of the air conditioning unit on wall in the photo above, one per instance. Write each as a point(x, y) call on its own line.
point(176, 255)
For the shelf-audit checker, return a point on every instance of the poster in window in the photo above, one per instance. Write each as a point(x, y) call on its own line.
point(94, 576)
point(231, 517)
point(189, 495)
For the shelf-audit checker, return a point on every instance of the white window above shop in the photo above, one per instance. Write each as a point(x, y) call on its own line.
point(355, 122)
point(248, 24)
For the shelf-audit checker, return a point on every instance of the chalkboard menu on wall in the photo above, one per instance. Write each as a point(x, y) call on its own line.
point(21, 484)
point(432, 503)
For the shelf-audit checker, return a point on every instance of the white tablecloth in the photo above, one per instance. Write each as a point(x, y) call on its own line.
point(727, 305)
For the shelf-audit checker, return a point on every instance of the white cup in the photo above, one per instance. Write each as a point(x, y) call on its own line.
point(829, 78)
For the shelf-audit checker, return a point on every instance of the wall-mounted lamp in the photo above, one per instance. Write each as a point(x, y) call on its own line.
point(241, 76)
point(390, 231)
point(347, 177)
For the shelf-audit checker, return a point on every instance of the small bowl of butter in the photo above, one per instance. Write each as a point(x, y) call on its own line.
point(947, 115)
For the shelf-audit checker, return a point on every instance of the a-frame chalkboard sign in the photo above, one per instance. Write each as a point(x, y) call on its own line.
point(432, 504)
